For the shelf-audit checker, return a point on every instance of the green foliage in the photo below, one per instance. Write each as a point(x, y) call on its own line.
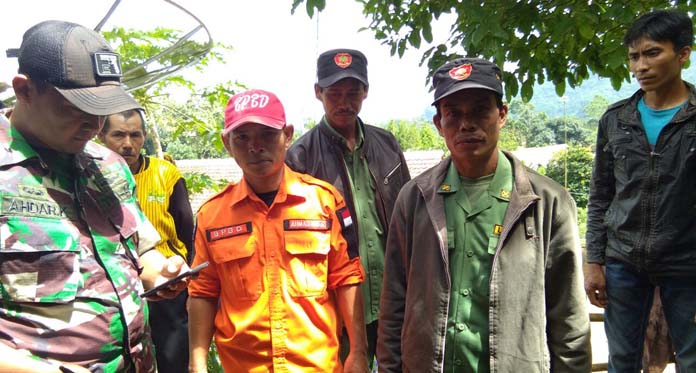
point(420, 135)
point(214, 365)
point(197, 182)
point(188, 131)
point(558, 41)
point(522, 120)
point(596, 108)
point(579, 170)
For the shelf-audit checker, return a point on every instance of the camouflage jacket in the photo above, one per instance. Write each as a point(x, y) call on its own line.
point(71, 233)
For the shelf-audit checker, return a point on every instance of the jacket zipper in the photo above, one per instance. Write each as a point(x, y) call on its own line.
point(390, 173)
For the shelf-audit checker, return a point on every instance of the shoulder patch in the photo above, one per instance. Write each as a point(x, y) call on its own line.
point(215, 234)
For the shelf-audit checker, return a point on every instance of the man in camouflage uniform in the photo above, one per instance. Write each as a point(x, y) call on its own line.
point(73, 241)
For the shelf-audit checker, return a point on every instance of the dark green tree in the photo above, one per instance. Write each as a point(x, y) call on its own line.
point(558, 41)
point(572, 168)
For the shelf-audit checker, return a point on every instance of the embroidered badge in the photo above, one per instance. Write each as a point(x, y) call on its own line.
point(460, 72)
point(306, 225)
point(504, 193)
point(32, 191)
point(107, 64)
point(343, 60)
point(344, 216)
point(497, 229)
point(445, 187)
point(215, 234)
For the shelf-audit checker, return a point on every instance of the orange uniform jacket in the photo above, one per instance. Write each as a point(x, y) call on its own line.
point(273, 269)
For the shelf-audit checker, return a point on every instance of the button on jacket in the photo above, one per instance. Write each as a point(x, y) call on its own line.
point(643, 202)
point(274, 269)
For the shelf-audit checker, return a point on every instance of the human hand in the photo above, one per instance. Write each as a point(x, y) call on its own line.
point(171, 268)
point(595, 284)
point(355, 363)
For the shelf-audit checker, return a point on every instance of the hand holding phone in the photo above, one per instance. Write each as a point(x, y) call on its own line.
point(191, 272)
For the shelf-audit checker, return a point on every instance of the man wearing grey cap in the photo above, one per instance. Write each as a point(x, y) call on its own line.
point(74, 245)
point(483, 263)
point(365, 163)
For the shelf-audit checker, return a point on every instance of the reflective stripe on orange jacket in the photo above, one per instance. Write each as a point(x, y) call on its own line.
point(273, 269)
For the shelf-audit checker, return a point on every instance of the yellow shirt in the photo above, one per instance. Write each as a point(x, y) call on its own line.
point(154, 186)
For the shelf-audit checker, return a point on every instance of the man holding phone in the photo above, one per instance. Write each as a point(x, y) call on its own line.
point(281, 272)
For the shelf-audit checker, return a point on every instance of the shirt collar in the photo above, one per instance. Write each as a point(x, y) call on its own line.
point(500, 187)
point(287, 190)
point(360, 136)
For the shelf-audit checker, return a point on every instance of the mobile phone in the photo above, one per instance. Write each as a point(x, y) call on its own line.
point(191, 272)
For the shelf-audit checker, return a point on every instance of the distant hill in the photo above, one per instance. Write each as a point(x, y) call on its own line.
point(546, 100)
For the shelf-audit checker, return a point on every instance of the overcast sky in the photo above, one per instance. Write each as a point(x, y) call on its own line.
point(273, 49)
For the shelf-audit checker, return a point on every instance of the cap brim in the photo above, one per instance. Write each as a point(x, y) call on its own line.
point(462, 86)
point(331, 79)
point(266, 121)
point(102, 100)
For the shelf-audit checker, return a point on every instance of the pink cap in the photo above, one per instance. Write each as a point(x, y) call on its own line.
point(254, 106)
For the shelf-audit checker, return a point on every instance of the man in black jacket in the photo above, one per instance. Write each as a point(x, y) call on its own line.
point(641, 231)
point(365, 163)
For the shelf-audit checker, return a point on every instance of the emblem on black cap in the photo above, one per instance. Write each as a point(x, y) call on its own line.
point(460, 72)
point(343, 60)
point(107, 64)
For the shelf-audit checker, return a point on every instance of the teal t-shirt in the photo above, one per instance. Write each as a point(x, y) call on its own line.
point(655, 120)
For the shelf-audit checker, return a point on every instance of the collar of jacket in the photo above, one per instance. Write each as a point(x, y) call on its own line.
point(325, 129)
point(522, 197)
point(629, 109)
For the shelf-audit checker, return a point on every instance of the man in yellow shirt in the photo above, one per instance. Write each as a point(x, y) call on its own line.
point(162, 195)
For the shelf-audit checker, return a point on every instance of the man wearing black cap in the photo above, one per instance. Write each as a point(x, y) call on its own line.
point(483, 263)
point(74, 244)
point(365, 163)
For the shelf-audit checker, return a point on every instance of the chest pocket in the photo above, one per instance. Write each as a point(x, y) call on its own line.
point(620, 145)
point(307, 262)
point(240, 265)
point(39, 260)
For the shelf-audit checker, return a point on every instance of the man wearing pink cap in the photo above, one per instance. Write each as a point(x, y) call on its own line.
point(281, 272)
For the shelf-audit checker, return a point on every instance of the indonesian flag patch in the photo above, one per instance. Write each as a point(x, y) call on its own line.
point(344, 217)
point(215, 234)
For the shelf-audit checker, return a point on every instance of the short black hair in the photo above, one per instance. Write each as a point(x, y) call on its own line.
point(126, 115)
point(662, 25)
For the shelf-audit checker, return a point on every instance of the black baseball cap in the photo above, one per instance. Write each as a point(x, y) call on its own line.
point(465, 73)
point(336, 64)
point(78, 62)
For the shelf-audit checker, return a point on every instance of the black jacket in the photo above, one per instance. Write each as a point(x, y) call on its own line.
point(642, 207)
point(319, 153)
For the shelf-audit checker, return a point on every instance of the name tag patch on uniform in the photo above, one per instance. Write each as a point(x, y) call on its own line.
point(497, 229)
point(19, 206)
point(306, 225)
point(215, 234)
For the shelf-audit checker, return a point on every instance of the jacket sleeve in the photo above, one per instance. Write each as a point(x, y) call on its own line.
point(392, 302)
point(568, 323)
point(601, 193)
point(180, 209)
